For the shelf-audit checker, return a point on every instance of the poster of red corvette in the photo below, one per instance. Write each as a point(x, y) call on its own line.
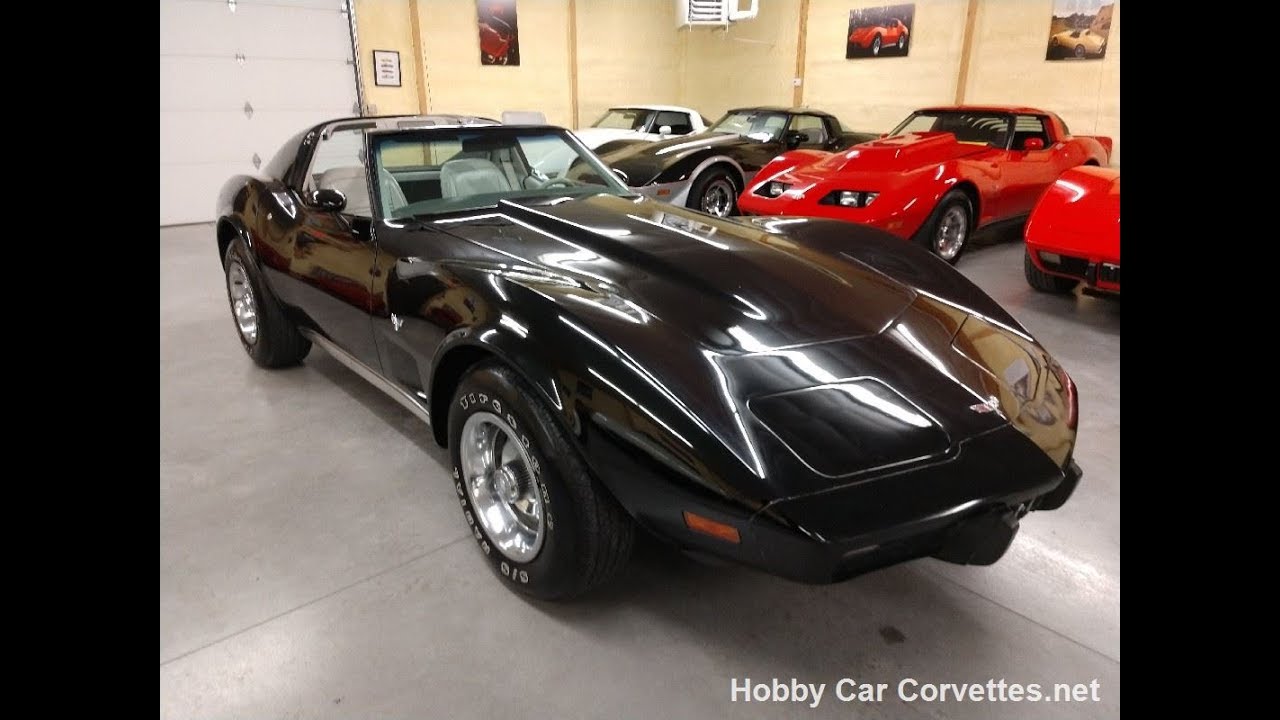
point(880, 31)
point(499, 36)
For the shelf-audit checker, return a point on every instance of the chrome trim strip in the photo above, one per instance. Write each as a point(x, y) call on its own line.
point(373, 376)
point(350, 7)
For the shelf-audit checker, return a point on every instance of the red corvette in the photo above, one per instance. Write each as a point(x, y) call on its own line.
point(941, 174)
point(873, 37)
point(1073, 235)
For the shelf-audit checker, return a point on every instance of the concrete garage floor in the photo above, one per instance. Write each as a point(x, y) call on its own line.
point(313, 562)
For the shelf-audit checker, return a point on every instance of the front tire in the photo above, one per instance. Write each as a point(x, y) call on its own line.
point(715, 193)
point(543, 523)
point(902, 43)
point(1079, 51)
point(1043, 281)
point(946, 232)
point(266, 332)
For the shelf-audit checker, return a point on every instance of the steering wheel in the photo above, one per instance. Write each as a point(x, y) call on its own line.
point(555, 182)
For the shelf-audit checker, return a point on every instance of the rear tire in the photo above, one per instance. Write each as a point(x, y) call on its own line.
point(572, 535)
point(875, 46)
point(1043, 281)
point(265, 331)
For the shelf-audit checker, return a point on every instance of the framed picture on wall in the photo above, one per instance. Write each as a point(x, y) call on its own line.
point(880, 31)
point(1079, 29)
point(499, 35)
point(386, 68)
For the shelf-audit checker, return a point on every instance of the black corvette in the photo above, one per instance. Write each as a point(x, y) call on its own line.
point(809, 397)
point(708, 171)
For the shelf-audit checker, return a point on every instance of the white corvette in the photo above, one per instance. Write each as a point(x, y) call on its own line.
point(641, 122)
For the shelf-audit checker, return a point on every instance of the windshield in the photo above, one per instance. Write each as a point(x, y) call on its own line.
point(438, 171)
point(624, 119)
point(755, 124)
point(980, 128)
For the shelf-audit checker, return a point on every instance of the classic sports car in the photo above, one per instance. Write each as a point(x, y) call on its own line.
point(1077, 43)
point(941, 174)
point(893, 33)
point(648, 123)
point(1073, 234)
point(709, 170)
point(805, 396)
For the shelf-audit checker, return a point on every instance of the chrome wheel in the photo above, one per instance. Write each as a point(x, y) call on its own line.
point(501, 487)
point(902, 41)
point(875, 46)
point(243, 305)
point(953, 229)
point(1079, 51)
point(717, 197)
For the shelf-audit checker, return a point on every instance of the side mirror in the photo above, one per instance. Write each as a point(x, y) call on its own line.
point(665, 130)
point(1032, 144)
point(622, 176)
point(795, 138)
point(884, 135)
point(329, 199)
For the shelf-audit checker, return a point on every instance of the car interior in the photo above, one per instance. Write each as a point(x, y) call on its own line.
point(1026, 127)
point(679, 122)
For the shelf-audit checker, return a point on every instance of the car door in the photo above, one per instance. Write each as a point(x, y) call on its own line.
point(330, 253)
point(1026, 172)
point(417, 300)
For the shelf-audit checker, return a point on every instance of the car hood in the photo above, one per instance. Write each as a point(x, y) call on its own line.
point(595, 137)
point(899, 153)
point(725, 321)
point(716, 281)
point(1081, 206)
point(643, 162)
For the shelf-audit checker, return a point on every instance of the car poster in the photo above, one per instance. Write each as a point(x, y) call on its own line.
point(499, 35)
point(880, 31)
point(1079, 29)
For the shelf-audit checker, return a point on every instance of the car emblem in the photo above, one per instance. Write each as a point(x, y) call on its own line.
point(991, 404)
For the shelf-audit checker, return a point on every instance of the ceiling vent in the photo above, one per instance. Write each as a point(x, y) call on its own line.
point(713, 12)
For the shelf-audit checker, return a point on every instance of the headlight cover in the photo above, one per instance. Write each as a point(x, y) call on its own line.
point(772, 189)
point(849, 198)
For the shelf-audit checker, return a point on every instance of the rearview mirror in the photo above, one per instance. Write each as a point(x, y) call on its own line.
point(795, 138)
point(329, 199)
point(664, 130)
point(1033, 144)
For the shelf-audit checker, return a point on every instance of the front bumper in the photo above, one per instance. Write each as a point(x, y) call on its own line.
point(963, 510)
point(676, 193)
point(973, 531)
point(1095, 271)
point(900, 223)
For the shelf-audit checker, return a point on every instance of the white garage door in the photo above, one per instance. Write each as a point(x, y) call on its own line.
point(236, 83)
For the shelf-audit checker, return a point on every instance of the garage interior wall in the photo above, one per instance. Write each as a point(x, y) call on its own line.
point(1007, 64)
point(630, 51)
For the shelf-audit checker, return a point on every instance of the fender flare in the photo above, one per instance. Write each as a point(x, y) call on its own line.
point(682, 198)
point(463, 347)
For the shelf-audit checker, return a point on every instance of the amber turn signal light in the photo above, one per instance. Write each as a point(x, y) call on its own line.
point(707, 526)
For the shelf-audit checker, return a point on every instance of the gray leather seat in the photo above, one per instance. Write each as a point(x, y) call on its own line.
point(350, 181)
point(464, 177)
point(392, 194)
